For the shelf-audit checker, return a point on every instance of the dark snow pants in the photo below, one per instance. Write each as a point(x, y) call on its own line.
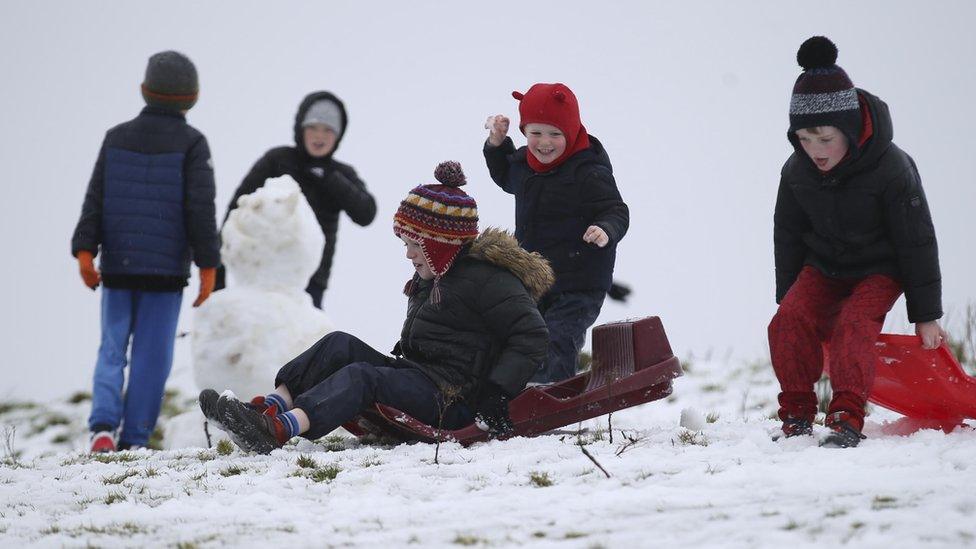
point(567, 315)
point(845, 313)
point(340, 376)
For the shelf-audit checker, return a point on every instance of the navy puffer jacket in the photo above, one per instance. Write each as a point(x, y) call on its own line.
point(149, 209)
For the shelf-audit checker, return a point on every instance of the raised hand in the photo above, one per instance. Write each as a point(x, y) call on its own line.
point(497, 127)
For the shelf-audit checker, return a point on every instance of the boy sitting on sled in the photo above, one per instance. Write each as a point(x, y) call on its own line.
point(852, 231)
point(472, 338)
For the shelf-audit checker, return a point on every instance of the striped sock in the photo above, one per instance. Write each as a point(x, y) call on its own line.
point(290, 422)
point(277, 401)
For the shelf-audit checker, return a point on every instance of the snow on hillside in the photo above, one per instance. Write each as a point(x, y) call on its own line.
point(724, 484)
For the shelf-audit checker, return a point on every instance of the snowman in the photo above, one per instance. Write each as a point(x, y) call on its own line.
point(242, 335)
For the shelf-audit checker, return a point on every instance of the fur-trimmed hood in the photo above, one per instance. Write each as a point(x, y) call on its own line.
point(500, 248)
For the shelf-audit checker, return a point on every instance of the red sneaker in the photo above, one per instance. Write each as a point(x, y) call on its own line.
point(102, 442)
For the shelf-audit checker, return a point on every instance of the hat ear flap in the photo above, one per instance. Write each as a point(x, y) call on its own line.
point(518, 95)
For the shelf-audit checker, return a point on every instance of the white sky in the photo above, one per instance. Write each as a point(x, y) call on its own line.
point(689, 98)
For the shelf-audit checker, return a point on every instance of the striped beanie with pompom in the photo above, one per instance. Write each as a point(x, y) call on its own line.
point(440, 216)
point(823, 94)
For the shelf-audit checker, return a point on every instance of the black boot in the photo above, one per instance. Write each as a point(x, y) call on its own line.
point(795, 427)
point(251, 430)
point(842, 433)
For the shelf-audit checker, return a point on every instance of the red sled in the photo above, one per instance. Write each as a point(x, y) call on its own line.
point(632, 364)
point(927, 386)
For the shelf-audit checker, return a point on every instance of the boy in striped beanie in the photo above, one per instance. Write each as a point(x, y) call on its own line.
point(442, 219)
point(472, 337)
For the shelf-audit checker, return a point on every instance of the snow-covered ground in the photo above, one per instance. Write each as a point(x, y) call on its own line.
point(725, 485)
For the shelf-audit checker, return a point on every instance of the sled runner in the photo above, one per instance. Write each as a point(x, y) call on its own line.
point(632, 364)
point(928, 387)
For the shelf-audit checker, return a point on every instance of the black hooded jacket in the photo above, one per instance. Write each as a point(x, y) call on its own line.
point(866, 216)
point(329, 186)
point(487, 327)
point(553, 210)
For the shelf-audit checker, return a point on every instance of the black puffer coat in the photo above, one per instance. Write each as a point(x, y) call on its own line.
point(487, 326)
point(329, 186)
point(866, 216)
point(553, 210)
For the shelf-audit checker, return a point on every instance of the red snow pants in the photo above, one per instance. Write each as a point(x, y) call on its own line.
point(845, 313)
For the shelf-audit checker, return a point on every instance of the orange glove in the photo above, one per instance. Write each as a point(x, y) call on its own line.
point(86, 265)
point(208, 277)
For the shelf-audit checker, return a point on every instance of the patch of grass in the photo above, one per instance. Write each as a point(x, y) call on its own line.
point(156, 439)
point(6, 407)
point(225, 447)
point(883, 502)
point(464, 539)
point(117, 457)
point(540, 480)
point(306, 462)
point(538, 534)
point(371, 461)
point(712, 417)
point(835, 513)
point(325, 474)
point(333, 443)
point(712, 388)
point(205, 456)
point(79, 397)
point(61, 439)
point(574, 535)
point(692, 438)
point(150, 472)
point(170, 407)
point(119, 478)
point(232, 471)
point(791, 525)
point(114, 497)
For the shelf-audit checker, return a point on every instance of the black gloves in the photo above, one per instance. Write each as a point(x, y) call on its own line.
point(618, 292)
point(493, 411)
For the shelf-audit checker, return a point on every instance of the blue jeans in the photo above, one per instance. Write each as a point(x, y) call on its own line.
point(568, 315)
point(149, 319)
point(339, 377)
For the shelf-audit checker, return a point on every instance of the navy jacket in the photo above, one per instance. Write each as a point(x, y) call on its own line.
point(149, 209)
point(866, 216)
point(329, 185)
point(553, 210)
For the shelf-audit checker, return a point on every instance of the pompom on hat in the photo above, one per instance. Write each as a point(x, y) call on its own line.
point(823, 94)
point(440, 216)
point(555, 105)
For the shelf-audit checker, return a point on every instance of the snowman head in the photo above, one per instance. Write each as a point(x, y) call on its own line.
point(271, 239)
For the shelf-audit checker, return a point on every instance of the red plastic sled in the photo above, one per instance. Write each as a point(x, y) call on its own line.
point(928, 387)
point(632, 364)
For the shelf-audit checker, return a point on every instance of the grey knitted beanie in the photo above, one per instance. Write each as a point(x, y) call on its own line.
point(171, 81)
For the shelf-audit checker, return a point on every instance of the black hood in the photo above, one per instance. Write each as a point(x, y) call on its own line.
point(306, 104)
point(870, 153)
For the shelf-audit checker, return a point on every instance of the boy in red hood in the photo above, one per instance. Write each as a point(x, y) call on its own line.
point(567, 208)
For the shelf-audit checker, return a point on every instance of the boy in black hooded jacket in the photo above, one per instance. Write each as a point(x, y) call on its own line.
point(329, 186)
point(852, 231)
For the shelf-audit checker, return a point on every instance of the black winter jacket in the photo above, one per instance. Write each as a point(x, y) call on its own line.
point(329, 186)
point(487, 327)
point(149, 207)
point(553, 210)
point(866, 216)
